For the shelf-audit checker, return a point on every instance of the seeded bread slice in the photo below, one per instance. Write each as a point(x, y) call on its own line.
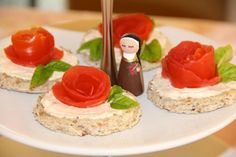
point(80, 127)
point(191, 105)
point(147, 66)
point(21, 85)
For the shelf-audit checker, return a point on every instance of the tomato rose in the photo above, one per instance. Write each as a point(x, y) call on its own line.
point(32, 47)
point(139, 24)
point(190, 65)
point(83, 87)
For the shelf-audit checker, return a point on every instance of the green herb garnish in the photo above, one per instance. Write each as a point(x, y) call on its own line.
point(151, 52)
point(120, 101)
point(115, 90)
point(227, 72)
point(95, 48)
point(123, 102)
point(43, 73)
point(58, 66)
point(223, 55)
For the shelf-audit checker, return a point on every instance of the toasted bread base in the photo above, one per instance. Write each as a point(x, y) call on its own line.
point(192, 105)
point(146, 66)
point(21, 85)
point(81, 127)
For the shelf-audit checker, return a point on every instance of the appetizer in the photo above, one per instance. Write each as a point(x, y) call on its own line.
point(84, 103)
point(194, 78)
point(154, 43)
point(32, 50)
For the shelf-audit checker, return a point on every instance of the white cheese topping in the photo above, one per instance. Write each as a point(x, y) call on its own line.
point(165, 89)
point(156, 34)
point(58, 109)
point(91, 34)
point(26, 73)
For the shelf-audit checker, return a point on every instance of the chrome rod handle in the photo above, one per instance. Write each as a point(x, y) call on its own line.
point(108, 63)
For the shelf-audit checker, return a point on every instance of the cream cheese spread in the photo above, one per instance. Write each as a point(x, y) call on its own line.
point(26, 73)
point(165, 89)
point(156, 34)
point(58, 109)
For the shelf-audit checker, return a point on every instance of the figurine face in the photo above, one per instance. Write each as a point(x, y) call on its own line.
point(129, 45)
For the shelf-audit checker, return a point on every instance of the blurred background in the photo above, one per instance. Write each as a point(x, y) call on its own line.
point(224, 10)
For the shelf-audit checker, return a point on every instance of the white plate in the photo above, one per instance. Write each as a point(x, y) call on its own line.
point(157, 130)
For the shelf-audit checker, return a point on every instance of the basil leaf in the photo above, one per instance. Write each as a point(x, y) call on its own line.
point(120, 101)
point(123, 102)
point(227, 72)
point(95, 48)
point(151, 52)
point(223, 55)
point(43, 73)
point(58, 66)
point(114, 90)
point(40, 76)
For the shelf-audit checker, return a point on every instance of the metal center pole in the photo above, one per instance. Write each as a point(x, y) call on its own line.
point(108, 63)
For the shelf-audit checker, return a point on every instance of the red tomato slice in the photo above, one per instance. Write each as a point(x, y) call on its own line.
point(82, 78)
point(83, 87)
point(181, 77)
point(63, 96)
point(183, 51)
point(32, 44)
point(139, 24)
point(55, 55)
point(190, 65)
point(32, 47)
point(198, 66)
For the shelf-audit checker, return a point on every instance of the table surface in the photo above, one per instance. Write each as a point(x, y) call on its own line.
point(12, 19)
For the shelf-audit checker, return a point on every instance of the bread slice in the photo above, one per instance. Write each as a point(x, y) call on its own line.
point(16, 83)
point(190, 105)
point(21, 85)
point(124, 119)
point(147, 66)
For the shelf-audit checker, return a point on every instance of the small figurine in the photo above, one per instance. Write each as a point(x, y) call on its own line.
point(130, 76)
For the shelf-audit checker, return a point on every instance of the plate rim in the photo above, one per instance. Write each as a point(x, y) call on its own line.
point(121, 151)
